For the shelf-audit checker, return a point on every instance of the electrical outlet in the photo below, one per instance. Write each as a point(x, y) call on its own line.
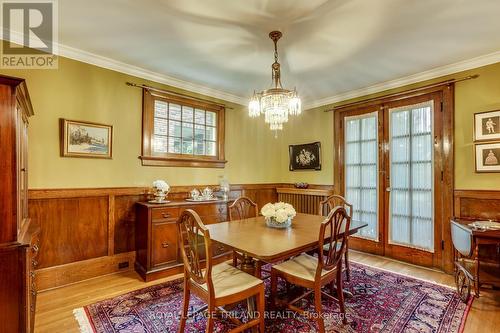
point(122, 265)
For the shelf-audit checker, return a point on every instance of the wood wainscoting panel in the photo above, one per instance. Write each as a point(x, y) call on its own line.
point(86, 232)
point(72, 229)
point(124, 226)
point(477, 204)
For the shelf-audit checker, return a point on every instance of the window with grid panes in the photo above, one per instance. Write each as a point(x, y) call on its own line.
point(181, 132)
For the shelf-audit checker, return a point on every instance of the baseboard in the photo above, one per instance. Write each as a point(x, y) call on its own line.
point(57, 276)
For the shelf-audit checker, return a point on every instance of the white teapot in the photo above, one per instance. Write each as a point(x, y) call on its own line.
point(195, 194)
point(207, 193)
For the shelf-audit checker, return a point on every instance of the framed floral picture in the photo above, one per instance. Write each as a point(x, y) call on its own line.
point(305, 156)
point(487, 157)
point(487, 126)
point(86, 139)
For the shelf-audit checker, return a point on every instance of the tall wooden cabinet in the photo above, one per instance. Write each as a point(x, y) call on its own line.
point(19, 235)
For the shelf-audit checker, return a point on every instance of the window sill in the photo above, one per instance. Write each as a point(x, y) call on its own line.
point(182, 162)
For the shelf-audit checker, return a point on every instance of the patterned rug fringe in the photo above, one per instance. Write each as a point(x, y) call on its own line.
point(83, 320)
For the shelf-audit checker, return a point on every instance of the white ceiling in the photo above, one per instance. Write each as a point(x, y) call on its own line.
point(328, 48)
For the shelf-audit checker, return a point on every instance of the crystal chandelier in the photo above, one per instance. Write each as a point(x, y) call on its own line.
point(275, 103)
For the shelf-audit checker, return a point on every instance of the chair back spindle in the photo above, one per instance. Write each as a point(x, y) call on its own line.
point(195, 241)
point(336, 223)
point(243, 208)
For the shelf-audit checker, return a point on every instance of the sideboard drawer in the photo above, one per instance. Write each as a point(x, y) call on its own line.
point(164, 213)
point(164, 244)
point(157, 240)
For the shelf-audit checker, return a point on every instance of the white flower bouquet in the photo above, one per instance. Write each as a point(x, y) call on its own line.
point(278, 215)
point(161, 189)
point(161, 186)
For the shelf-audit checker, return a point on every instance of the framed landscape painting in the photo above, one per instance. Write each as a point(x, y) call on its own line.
point(487, 126)
point(85, 139)
point(487, 157)
point(305, 156)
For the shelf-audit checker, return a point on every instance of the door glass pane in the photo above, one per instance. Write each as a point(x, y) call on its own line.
point(361, 170)
point(411, 221)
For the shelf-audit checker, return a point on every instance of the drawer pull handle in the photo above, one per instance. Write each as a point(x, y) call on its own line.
point(166, 215)
point(165, 245)
point(35, 248)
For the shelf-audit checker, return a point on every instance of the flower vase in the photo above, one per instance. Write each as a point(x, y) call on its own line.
point(160, 196)
point(272, 223)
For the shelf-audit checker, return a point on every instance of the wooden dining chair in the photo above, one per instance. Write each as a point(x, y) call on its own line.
point(217, 285)
point(244, 208)
point(315, 272)
point(326, 207)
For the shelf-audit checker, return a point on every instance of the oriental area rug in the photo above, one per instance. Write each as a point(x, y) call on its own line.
point(383, 302)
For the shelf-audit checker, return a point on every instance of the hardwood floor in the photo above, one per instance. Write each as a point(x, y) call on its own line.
point(54, 311)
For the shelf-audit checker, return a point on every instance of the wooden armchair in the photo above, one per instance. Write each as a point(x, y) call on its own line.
point(326, 207)
point(313, 273)
point(217, 285)
point(244, 208)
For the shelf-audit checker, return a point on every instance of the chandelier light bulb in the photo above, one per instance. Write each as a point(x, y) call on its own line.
point(254, 107)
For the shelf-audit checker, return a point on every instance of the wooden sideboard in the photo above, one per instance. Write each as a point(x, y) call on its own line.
point(19, 235)
point(156, 236)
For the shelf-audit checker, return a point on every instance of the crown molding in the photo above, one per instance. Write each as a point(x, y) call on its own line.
point(460, 66)
point(118, 66)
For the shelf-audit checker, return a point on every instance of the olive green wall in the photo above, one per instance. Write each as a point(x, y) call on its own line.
point(478, 95)
point(84, 92)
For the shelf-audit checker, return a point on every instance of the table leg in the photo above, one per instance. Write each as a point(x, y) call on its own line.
point(248, 266)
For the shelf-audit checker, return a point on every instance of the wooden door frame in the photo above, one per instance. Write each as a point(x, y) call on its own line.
point(375, 247)
point(447, 158)
point(407, 253)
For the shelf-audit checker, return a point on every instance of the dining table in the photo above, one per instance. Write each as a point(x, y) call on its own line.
point(255, 240)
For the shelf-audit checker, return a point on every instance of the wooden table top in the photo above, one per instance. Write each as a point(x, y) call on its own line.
point(254, 238)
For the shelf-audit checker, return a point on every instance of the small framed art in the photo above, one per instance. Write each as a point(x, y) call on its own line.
point(487, 126)
point(305, 156)
point(86, 139)
point(487, 157)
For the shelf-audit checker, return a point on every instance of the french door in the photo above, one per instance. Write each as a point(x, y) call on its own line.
point(391, 172)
